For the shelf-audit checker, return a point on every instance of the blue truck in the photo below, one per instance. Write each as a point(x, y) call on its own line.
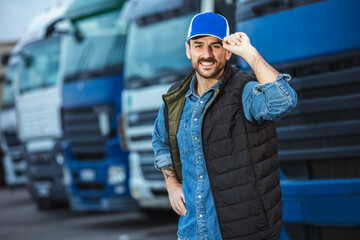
point(318, 43)
point(97, 170)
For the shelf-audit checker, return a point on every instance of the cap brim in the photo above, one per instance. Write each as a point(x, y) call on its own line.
point(198, 35)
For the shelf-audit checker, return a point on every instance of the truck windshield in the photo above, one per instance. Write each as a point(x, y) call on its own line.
point(40, 64)
point(155, 50)
point(100, 49)
point(8, 99)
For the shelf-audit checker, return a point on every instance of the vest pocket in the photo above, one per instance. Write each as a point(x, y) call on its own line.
point(262, 205)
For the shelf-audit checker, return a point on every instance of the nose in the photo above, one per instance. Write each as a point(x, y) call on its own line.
point(208, 52)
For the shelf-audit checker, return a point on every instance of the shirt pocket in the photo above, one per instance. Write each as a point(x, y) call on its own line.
point(181, 136)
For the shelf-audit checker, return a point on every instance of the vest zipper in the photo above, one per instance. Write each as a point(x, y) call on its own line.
point(207, 167)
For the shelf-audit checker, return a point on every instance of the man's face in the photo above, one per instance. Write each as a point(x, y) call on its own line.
point(208, 57)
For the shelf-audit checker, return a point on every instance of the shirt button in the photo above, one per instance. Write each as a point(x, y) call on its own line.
point(201, 215)
point(199, 157)
point(201, 102)
point(199, 196)
point(195, 138)
point(201, 176)
point(195, 119)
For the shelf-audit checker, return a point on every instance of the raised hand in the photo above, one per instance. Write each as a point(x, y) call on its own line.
point(238, 43)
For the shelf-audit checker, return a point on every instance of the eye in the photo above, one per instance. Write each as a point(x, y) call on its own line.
point(217, 46)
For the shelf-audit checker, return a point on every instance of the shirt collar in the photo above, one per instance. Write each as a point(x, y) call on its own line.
point(193, 83)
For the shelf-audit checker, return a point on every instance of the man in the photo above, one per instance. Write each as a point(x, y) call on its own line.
point(215, 140)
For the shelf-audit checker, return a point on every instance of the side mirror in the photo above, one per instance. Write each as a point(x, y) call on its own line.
point(78, 35)
point(5, 59)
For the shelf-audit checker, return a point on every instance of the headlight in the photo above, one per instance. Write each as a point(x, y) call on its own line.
point(134, 162)
point(66, 176)
point(133, 118)
point(60, 159)
point(116, 174)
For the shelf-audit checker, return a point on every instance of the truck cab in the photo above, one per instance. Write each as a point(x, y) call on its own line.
point(97, 170)
point(319, 143)
point(38, 103)
point(14, 159)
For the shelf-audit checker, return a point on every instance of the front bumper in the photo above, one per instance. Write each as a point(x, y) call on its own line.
point(332, 202)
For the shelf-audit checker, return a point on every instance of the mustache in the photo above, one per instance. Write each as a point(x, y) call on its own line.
point(210, 59)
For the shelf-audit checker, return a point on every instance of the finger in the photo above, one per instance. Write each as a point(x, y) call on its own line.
point(234, 39)
point(225, 42)
point(230, 41)
point(181, 207)
point(238, 36)
point(183, 201)
point(244, 36)
point(225, 39)
point(180, 203)
point(226, 46)
point(182, 197)
point(175, 208)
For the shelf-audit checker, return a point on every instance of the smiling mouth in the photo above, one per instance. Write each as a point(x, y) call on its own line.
point(207, 63)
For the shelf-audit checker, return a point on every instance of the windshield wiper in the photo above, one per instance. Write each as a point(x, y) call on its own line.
point(85, 55)
point(27, 89)
point(101, 72)
point(134, 82)
point(170, 75)
point(117, 45)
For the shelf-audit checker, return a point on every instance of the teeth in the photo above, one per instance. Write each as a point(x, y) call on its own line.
point(207, 63)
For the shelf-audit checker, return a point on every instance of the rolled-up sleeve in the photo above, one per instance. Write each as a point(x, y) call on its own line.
point(269, 101)
point(160, 141)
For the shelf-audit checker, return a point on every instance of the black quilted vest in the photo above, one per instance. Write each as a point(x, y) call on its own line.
point(241, 159)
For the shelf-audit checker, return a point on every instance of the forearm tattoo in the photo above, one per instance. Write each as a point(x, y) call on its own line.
point(168, 171)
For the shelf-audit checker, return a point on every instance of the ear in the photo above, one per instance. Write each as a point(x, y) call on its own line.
point(187, 50)
point(227, 54)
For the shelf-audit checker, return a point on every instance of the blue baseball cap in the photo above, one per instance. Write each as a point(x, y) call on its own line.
point(208, 24)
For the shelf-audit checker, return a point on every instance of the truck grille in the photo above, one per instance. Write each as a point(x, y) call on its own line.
point(147, 157)
point(82, 130)
point(147, 166)
point(143, 118)
point(304, 232)
point(320, 138)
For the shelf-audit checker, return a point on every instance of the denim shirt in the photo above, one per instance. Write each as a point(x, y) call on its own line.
point(269, 101)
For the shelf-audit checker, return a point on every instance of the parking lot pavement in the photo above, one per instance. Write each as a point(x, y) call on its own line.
point(21, 220)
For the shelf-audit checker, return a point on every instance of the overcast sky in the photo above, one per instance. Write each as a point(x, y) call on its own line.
point(16, 14)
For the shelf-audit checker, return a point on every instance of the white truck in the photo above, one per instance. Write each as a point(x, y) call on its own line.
point(13, 159)
point(38, 105)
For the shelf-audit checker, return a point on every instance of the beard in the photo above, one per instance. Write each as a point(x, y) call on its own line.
point(208, 74)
